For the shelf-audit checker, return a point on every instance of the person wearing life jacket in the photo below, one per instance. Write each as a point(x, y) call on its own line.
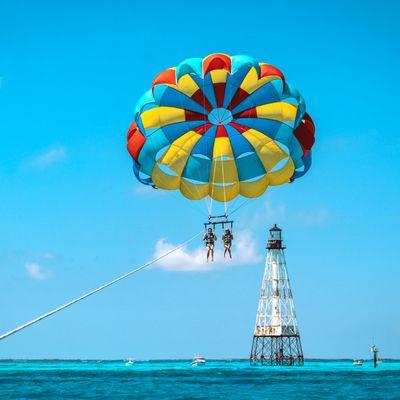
point(210, 238)
point(227, 238)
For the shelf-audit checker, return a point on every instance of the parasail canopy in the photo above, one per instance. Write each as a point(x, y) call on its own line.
point(220, 126)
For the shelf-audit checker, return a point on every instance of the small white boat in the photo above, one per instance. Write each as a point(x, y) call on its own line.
point(358, 362)
point(198, 360)
point(129, 362)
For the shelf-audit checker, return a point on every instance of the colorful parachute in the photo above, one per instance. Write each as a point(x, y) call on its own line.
point(220, 126)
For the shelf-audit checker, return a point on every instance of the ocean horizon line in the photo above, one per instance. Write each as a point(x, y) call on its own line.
point(228, 359)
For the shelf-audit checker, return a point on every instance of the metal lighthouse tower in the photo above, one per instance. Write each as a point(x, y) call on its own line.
point(276, 339)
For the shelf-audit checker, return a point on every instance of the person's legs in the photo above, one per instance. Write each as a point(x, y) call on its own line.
point(208, 252)
point(225, 250)
point(229, 250)
point(212, 253)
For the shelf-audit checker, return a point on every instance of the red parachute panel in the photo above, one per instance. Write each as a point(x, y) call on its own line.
point(305, 134)
point(267, 70)
point(166, 76)
point(136, 141)
point(217, 61)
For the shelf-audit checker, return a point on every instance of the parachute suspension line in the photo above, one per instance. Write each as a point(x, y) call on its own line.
point(213, 187)
point(189, 203)
point(245, 202)
point(210, 203)
point(240, 206)
point(235, 201)
point(120, 278)
point(223, 183)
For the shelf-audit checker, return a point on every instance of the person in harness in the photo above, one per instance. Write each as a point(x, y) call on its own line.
point(227, 238)
point(210, 238)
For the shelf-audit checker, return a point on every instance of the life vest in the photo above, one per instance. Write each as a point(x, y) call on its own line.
point(210, 238)
point(228, 238)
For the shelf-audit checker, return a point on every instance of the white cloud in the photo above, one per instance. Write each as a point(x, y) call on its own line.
point(47, 158)
point(185, 259)
point(36, 271)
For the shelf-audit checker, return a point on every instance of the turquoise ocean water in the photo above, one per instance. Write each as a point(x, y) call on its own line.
point(179, 380)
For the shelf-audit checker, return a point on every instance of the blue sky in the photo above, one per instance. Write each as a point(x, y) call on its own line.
point(73, 217)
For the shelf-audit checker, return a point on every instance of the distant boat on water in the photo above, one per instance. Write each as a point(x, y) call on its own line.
point(358, 362)
point(198, 360)
point(129, 362)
